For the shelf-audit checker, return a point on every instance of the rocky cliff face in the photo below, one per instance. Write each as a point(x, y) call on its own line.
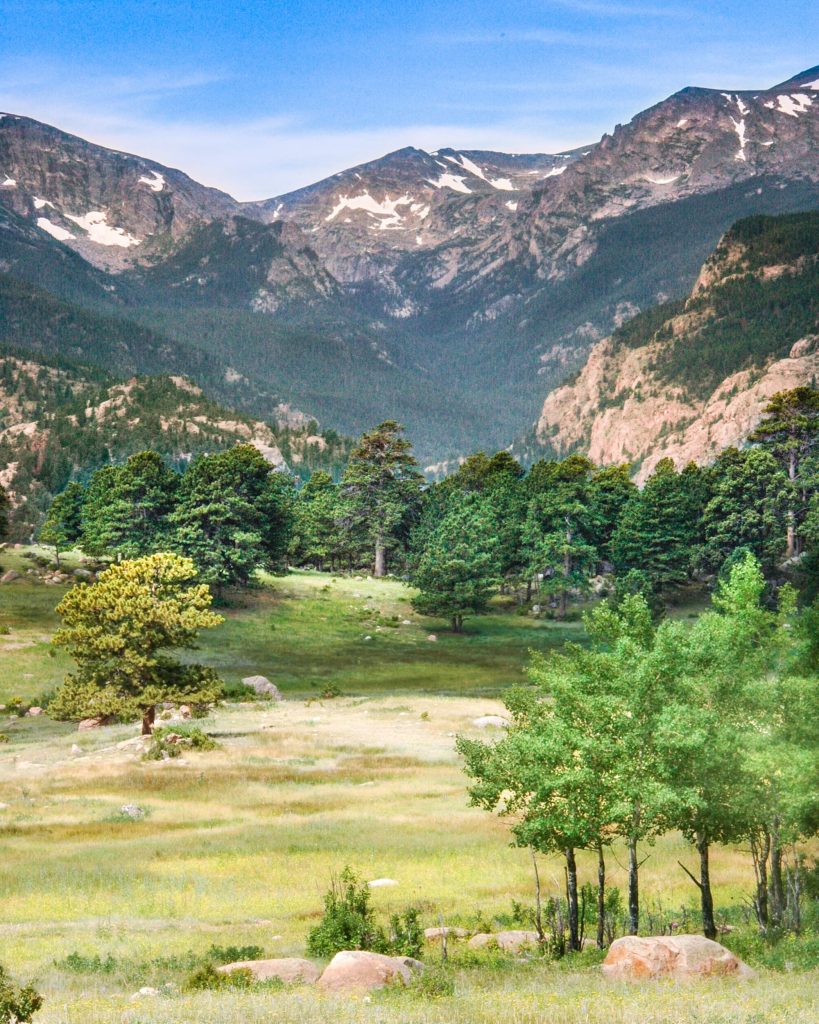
point(659, 387)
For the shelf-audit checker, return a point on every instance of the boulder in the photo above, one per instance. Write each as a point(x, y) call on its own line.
point(146, 992)
point(291, 970)
point(432, 638)
point(490, 722)
point(380, 883)
point(91, 723)
point(185, 712)
point(509, 942)
point(263, 687)
point(359, 971)
point(10, 576)
point(634, 958)
point(34, 712)
point(436, 934)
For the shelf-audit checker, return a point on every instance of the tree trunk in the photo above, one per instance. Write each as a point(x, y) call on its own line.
point(528, 590)
point(148, 718)
point(633, 889)
point(541, 937)
point(760, 850)
point(709, 927)
point(601, 897)
point(790, 551)
point(57, 556)
point(571, 899)
point(457, 623)
point(777, 889)
point(380, 559)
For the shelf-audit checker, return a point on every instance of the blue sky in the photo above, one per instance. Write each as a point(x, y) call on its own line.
point(261, 97)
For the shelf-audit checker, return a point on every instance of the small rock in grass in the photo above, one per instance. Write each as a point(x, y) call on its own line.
point(185, 712)
point(132, 811)
point(263, 687)
point(490, 722)
point(145, 991)
point(76, 748)
point(432, 638)
point(91, 723)
point(10, 576)
point(290, 970)
point(34, 712)
point(380, 883)
point(406, 622)
point(509, 941)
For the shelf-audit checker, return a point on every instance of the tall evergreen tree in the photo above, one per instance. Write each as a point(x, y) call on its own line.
point(5, 505)
point(747, 508)
point(62, 528)
point(560, 528)
point(459, 568)
point(381, 491)
point(659, 530)
point(790, 431)
point(316, 538)
point(234, 515)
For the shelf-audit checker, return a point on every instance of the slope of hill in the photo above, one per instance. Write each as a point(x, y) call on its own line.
point(59, 420)
point(689, 378)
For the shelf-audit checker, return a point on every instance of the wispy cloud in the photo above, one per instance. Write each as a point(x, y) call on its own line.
point(620, 10)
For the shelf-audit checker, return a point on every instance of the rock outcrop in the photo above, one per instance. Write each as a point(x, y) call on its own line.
point(290, 970)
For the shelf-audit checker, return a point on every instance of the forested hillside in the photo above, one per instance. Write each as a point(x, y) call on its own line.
point(60, 421)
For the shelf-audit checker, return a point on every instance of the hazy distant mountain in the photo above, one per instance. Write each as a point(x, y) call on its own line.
point(450, 290)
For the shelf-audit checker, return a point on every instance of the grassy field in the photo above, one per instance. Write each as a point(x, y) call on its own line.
point(238, 844)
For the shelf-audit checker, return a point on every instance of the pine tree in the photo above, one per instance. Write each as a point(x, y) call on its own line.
point(121, 630)
point(316, 537)
point(659, 530)
point(459, 568)
point(380, 490)
point(790, 431)
point(62, 528)
point(234, 516)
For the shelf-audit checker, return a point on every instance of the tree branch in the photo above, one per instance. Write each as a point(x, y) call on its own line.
point(685, 869)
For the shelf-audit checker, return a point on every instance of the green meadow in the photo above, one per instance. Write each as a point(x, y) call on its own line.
point(238, 844)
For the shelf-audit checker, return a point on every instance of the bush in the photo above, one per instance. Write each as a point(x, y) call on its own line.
point(233, 954)
point(172, 741)
point(18, 1003)
point(208, 978)
point(434, 983)
point(348, 919)
point(406, 934)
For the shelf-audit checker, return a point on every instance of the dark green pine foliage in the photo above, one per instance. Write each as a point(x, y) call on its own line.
point(561, 526)
point(611, 490)
point(747, 510)
point(234, 516)
point(659, 530)
point(316, 536)
point(790, 431)
point(459, 570)
point(62, 528)
point(381, 492)
point(127, 512)
point(4, 513)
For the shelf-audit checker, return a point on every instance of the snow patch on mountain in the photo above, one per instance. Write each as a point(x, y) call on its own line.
point(9, 183)
point(661, 181)
point(453, 181)
point(40, 204)
point(53, 229)
point(155, 184)
point(511, 205)
point(794, 105)
point(555, 171)
point(96, 226)
point(387, 209)
point(739, 128)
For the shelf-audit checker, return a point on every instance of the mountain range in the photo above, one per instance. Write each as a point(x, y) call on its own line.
point(453, 290)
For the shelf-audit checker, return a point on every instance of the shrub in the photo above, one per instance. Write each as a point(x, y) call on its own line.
point(172, 741)
point(406, 935)
point(348, 919)
point(18, 1003)
point(233, 954)
point(436, 982)
point(208, 978)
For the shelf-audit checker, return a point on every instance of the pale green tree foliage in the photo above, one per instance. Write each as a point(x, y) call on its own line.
point(121, 630)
